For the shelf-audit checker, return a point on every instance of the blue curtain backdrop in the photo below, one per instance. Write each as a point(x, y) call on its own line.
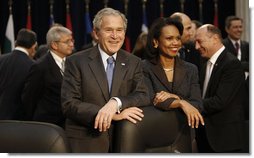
point(40, 14)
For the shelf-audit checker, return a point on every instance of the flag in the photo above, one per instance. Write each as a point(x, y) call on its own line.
point(51, 20)
point(9, 36)
point(28, 22)
point(88, 23)
point(161, 8)
point(88, 27)
point(144, 27)
point(51, 16)
point(127, 43)
point(215, 18)
point(68, 21)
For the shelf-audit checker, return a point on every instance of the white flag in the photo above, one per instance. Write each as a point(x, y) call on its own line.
point(9, 36)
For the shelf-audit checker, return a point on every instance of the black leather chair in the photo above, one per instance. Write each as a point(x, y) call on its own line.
point(158, 132)
point(32, 137)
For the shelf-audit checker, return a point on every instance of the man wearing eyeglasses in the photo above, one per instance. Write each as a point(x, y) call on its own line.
point(41, 95)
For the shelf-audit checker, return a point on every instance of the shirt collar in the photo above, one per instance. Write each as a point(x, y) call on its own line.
point(22, 50)
point(57, 59)
point(105, 56)
point(234, 41)
point(216, 55)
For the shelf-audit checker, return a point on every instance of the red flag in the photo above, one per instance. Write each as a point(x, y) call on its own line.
point(28, 22)
point(127, 43)
point(215, 20)
point(68, 21)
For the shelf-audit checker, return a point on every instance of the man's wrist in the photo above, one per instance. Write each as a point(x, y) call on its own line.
point(119, 104)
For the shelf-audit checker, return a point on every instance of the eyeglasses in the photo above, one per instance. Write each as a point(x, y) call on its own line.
point(67, 42)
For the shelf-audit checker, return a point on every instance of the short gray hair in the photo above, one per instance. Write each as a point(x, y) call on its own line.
point(105, 12)
point(55, 34)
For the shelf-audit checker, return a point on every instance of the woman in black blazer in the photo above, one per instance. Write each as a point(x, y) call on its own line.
point(173, 83)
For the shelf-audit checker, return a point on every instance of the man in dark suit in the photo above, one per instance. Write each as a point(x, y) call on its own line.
point(90, 101)
point(14, 68)
point(42, 93)
point(234, 29)
point(222, 97)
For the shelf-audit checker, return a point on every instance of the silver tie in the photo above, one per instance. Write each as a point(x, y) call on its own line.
point(207, 77)
point(63, 67)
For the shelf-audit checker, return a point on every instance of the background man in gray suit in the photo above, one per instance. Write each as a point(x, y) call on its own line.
point(89, 100)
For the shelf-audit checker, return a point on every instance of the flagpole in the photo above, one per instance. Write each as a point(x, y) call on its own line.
point(126, 7)
point(200, 4)
point(182, 5)
point(105, 3)
point(144, 27)
point(10, 2)
point(161, 8)
point(52, 20)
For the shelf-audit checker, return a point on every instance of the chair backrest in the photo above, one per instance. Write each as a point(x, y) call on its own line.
point(158, 132)
point(32, 137)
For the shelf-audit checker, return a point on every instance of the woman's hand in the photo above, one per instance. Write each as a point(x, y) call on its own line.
point(162, 96)
point(133, 114)
point(193, 115)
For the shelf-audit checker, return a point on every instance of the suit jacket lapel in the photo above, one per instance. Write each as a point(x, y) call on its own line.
point(54, 67)
point(159, 73)
point(120, 70)
point(179, 73)
point(98, 70)
point(216, 67)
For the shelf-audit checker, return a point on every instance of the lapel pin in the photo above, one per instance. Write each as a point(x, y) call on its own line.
point(123, 64)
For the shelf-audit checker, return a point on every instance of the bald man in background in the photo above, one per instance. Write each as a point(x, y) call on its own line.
point(188, 51)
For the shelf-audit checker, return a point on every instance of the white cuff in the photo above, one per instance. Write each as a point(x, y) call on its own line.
point(119, 104)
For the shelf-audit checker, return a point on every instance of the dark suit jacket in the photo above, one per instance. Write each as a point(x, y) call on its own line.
point(244, 50)
point(14, 68)
point(85, 92)
point(223, 107)
point(185, 82)
point(190, 54)
point(42, 92)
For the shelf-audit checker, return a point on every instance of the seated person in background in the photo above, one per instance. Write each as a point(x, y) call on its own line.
point(140, 44)
point(172, 82)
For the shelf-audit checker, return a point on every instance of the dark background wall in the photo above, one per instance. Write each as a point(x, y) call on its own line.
point(40, 15)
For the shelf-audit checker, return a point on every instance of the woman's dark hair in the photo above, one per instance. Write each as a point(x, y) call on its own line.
point(155, 33)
